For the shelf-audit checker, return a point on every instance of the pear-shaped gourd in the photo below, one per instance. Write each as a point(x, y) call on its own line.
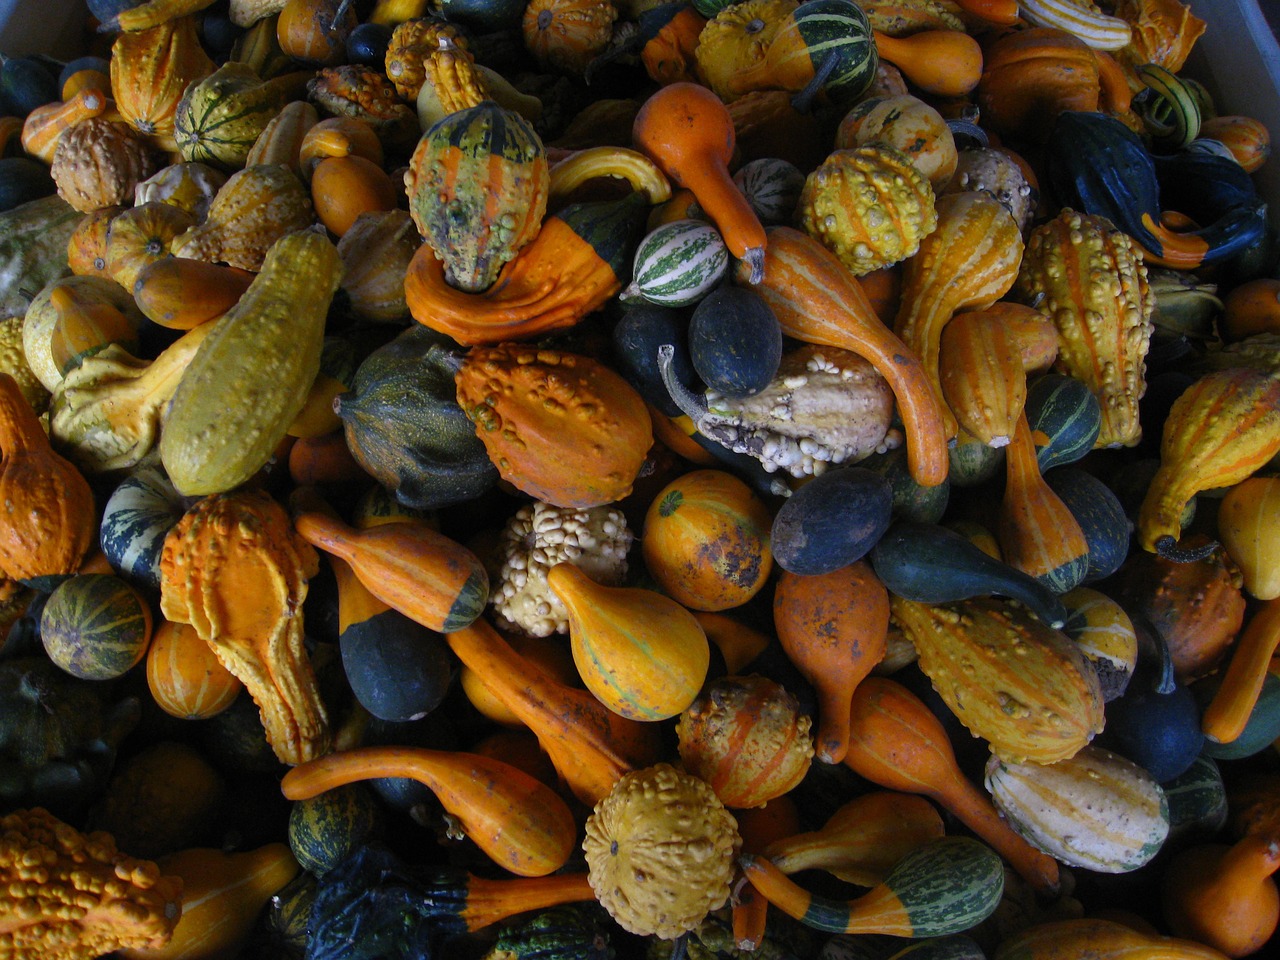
point(643, 655)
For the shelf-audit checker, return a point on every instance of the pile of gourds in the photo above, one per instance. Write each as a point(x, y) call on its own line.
point(589, 478)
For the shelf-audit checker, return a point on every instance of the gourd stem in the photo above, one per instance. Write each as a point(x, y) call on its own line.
point(1167, 549)
point(693, 406)
point(802, 102)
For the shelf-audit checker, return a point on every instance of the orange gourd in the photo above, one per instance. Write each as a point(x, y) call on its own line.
point(520, 822)
point(1224, 719)
point(946, 63)
point(1101, 938)
point(1224, 896)
point(185, 676)
point(981, 370)
point(590, 745)
point(315, 31)
point(1250, 308)
point(895, 741)
point(342, 188)
point(87, 247)
point(45, 125)
point(833, 627)
point(687, 130)
point(817, 300)
point(181, 293)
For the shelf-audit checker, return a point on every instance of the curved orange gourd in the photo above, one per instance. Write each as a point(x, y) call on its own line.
point(947, 63)
point(1224, 896)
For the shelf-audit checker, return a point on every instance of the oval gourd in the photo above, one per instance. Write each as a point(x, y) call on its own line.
point(1095, 810)
point(706, 540)
point(832, 520)
point(636, 336)
point(1065, 419)
point(96, 626)
point(643, 655)
point(325, 828)
point(185, 676)
point(677, 264)
point(735, 341)
point(1101, 517)
point(138, 515)
point(1249, 528)
point(398, 669)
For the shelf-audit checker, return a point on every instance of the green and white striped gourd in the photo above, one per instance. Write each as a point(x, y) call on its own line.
point(1065, 419)
point(1197, 801)
point(678, 263)
point(138, 515)
point(772, 186)
point(1095, 810)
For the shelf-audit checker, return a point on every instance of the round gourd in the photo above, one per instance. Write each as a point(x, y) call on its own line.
point(1065, 419)
point(368, 44)
point(735, 341)
point(772, 186)
point(324, 829)
point(706, 540)
point(660, 851)
point(832, 521)
point(636, 337)
point(138, 515)
point(678, 263)
point(185, 676)
point(398, 669)
point(1101, 516)
point(95, 626)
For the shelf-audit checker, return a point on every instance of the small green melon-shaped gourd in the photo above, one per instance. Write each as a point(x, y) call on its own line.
point(642, 654)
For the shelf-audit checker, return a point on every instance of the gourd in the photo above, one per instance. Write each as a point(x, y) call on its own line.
point(982, 655)
point(1224, 719)
point(376, 251)
point(1030, 76)
point(248, 380)
point(1224, 896)
point(150, 70)
point(862, 840)
point(1105, 635)
point(219, 117)
point(590, 745)
point(573, 266)
point(252, 210)
point(99, 163)
point(325, 829)
point(181, 293)
point(1105, 525)
point(687, 131)
point(1095, 810)
point(344, 188)
point(73, 318)
point(96, 626)
point(677, 264)
point(365, 93)
point(1038, 533)
point(1108, 939)
point(560, 426)
point(746, 737)
point(477, 184)
point(1065, 418)
point(896, 742)
point(642, 654)
point(928, 563)
point(660, 851)
point(142, 235)
point(833, 627)
point(315, 31)
point(1219, 431)
point(408, 565)
point(734, 42)
point(50, 518)
point(44, 126)
point(869, 205)
point(908, 124)
point(980, 371)
point(33, 249)
point(945, 63)
point(1247, 139)
point(817, 300)
point(137, 516)
point(519, 822)
point(188, 186)
point(224, 545)
point(968, 263)
point(564, 36)
point(185, 676)
point(831, 521)
point(908, 902)
point(706, 540)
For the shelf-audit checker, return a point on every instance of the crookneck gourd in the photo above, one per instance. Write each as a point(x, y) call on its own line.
point(48, 509)
point(477, 186)
point(234, 545)
point(560, 426)
point(1089, 279)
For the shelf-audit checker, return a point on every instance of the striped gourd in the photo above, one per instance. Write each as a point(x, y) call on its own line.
point(478, 184)
point(834, 36)
point(678, 263)
point(219, 118)
point(1105, 635)
point(772, 186)
point(1010, 678)
point(138, 514)
point(185, 676)
point(1065, 418)
point(325, 829)
point(1197, 800)
point(944, 887)
point(1081, 19)
point(95, 626)
point(1095, 810)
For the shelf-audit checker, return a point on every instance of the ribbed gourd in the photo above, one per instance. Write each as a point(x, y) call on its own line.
point(220, 116)
point(1010, 678)
point(478, 183)
point(1092, 284)
point(868, 205)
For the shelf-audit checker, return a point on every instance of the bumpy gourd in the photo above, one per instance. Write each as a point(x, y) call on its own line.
point(242, 544)
point(477, 186)
point(1089, 279)
point(1010, 678)
point(660, 850)
point(869, 205)
point(559, 426)
point(249, 380)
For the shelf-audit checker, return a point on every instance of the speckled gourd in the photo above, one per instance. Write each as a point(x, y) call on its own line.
point(1010, 678)
point(1089, 279)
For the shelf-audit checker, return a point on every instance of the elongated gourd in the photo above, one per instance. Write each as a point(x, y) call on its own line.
point(1224, 719)
point(944, 887)
point(250, 377)
point(1096, 937)
point(520, 822)
point(818, 300)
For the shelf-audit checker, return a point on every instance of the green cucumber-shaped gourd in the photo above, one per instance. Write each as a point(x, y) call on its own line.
point(929, 563)
point(946, 886)
point(678, 263)
point(250, 378)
